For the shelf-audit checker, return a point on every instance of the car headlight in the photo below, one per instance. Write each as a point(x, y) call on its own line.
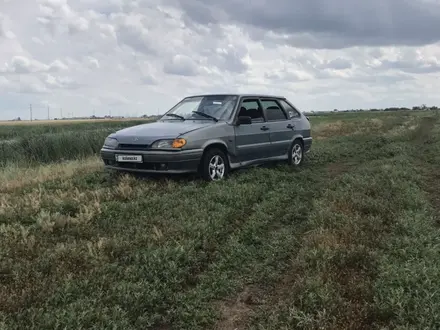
point(111, 143)
point(169, 144)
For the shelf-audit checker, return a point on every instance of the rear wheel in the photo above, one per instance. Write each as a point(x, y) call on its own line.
point(296, 153)
point(214, 165)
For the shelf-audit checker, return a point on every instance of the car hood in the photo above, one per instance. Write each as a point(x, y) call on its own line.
point(150, 132)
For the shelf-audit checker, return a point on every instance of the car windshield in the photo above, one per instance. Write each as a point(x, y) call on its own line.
point(210, 107)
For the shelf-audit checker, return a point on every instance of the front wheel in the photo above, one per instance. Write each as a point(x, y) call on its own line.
point(296, 153)
point(214, 166)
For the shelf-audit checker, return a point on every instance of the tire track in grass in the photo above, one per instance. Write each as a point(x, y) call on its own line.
point(288, 225)
point(330, 281)
point(406, 292)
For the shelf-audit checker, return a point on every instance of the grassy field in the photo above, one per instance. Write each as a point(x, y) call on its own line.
point(27, 145)
point(350, 241)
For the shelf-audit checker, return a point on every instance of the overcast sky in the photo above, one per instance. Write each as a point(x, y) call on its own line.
point(134, 57)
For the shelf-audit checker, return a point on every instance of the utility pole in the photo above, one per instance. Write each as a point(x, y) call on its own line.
point(30, 111)
point(61, 113)
point(48, 114)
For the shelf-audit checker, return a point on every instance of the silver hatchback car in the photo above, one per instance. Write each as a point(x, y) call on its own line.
point(211, 135)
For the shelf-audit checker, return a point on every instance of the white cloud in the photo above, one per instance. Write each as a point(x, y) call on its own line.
point(141, 56)
point(181, 65)
point(23, 65)
point(92, 62)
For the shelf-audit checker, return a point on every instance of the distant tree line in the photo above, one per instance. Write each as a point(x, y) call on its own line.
point(422, 107)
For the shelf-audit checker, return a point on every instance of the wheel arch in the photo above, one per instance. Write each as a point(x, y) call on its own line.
point(298, 137)
point(215, 144)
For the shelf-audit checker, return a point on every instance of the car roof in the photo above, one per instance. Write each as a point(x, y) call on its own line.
point(240, 95)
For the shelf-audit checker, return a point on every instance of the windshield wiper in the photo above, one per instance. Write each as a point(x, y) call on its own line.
point(174, 115)
point(205, 115)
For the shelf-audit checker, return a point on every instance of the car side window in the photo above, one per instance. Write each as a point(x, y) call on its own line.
point(293, 113)
point(273, 110)
point(251, 108)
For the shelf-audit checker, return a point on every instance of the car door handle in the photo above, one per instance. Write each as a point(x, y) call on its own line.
point(264, 128)
point(290, 126)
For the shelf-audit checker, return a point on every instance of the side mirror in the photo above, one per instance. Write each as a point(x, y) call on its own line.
point(244, 120)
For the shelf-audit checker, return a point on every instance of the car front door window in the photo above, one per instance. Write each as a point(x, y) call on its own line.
point(252, 140)
point(252, 109)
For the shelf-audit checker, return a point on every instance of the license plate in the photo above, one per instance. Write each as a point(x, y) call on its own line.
point(129, 158)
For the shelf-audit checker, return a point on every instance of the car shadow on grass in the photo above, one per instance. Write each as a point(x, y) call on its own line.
point(195, 177)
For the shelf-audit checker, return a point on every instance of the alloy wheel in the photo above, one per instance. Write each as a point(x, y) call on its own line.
point(216, 168)
point(297, 154)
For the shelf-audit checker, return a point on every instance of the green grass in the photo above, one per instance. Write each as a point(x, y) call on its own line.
point(350, 241)
point(49, 148)
point(28, 145)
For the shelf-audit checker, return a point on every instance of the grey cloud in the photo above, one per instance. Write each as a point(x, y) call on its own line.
point(2, 26)
point(148, 80)
point(375, 53)
point(92, 62)
point(226, 58)
point(181, 65)
point(283, 77)
point(79, 24)
point(416, 67)
point(57, 66)
point(61, 83)
point(108, 7)
point(337, 64)
point(26, 85)
point(58, 13)
point(135, 36)
point(200, 12)
point(24, 65)
point(328, 24)
point(382, 79)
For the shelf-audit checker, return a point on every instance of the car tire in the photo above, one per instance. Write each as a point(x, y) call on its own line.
point(214, 165)
point(296, 153)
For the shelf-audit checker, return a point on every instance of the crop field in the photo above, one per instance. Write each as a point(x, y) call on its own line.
point(26, 144)
point(349, 241)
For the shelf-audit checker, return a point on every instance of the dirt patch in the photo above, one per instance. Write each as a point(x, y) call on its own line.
point(326, 130)
point(335, 169)
point(236, 313)
point(344, 128)
point(423, 132)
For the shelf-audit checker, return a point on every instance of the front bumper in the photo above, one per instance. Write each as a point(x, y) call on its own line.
point(183, 161)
